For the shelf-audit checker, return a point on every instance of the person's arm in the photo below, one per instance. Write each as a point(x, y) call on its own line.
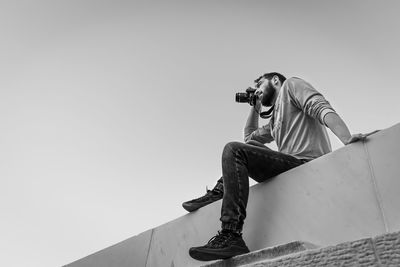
point(252, 121)
point(252, 131)
point(338, 127)
point(313, 103)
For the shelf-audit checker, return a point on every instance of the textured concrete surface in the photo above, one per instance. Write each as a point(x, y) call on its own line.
point(346, 195)
point(263, 254)
point(387, 249)
point(358, 253)
point(382, 251)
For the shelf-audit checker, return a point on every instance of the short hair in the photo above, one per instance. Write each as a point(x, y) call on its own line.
point(270, 75)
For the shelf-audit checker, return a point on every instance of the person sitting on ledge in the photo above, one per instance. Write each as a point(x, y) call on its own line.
point(298, 116)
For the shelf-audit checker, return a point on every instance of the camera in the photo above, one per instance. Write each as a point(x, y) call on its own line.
point(247, 97)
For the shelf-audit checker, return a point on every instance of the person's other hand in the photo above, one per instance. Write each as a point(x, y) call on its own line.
point(359, 137)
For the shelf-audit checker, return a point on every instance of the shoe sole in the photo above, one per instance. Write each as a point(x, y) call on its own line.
point(210, 256)
point(193, 207)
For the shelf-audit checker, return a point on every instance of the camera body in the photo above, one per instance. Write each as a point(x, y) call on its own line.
point(247, 97)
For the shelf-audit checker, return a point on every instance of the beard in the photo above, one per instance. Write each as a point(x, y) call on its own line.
point(268, 95)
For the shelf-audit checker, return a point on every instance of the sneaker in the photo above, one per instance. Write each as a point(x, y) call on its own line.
point(210, 197)
point(222, 246)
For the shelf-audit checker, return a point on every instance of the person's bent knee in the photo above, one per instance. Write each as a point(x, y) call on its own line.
point(231, 148)
point(254, 143)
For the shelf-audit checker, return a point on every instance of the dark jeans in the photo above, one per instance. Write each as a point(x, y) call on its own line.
point(239, 161)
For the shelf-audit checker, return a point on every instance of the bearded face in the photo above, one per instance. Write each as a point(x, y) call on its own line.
point(268, 93)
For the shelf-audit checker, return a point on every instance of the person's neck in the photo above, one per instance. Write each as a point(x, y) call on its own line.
point(275, 96)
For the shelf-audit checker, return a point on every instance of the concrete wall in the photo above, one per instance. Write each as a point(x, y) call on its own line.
point(129, 253)
point(346, 195)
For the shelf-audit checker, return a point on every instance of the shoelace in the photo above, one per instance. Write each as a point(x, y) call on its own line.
point(207, 195)
point(219, 240)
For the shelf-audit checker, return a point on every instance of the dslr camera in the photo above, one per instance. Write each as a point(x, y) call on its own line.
point(247, 97)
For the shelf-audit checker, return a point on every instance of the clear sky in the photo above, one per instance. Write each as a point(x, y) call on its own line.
point(112, 113)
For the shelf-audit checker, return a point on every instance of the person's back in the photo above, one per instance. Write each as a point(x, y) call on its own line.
point(297, 124)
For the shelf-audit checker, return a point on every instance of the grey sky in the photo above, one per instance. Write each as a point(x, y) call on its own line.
point(115, 112)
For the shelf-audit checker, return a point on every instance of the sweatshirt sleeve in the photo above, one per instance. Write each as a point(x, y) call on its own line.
point(308, 99)
point(261, 134)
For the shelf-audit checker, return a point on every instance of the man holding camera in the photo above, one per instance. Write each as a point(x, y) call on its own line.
point(298, 116)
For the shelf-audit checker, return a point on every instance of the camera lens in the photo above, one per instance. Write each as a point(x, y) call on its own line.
point(242, 97)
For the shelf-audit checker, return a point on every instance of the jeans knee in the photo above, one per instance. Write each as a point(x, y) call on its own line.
point(230, 149)
point(254, 143)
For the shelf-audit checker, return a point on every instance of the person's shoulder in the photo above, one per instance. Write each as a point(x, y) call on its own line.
point(294, 80)
point(291, 83)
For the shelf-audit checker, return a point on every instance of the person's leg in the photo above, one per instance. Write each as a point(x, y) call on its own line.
point(212, 195)
point(239, 161)
point(255, 143)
